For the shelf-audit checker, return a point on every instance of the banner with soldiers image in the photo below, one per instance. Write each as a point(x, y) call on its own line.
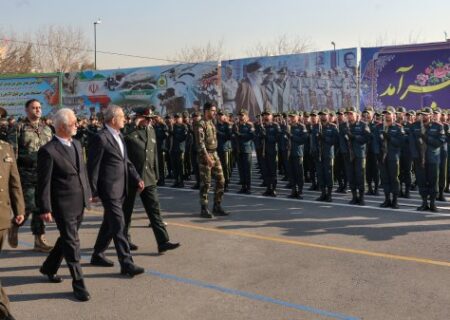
point(16, 90)
point(411, 76)
point(170, 88)
point(325, 79)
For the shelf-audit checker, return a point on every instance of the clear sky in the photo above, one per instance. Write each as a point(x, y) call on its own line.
point(162, 28)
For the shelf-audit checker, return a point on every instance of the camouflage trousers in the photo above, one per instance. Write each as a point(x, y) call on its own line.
point(29, 195)
point(205, 179)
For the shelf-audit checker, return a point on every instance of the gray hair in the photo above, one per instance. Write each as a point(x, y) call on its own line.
point(62, 117)
point(111, 112)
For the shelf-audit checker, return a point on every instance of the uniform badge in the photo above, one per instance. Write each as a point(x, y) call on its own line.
point(153, 140)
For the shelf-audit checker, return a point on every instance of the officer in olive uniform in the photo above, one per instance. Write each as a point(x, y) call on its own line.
point(209, 162)
point(29, 136)
point(142, 151)
point(389, 139)
point(356, 135)
point(324, 136)
point(196, 117)
point(11, 199)
point(224, 148)
point(244, 133)
point(271, 136)
point(426, 140)
point(298, 136)
point(178, 134)
point(162, 134)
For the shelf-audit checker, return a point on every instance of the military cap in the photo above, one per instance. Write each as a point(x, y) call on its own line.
point(243, 112)
point(143, 112)
point(369, 108)
point(341, 111)
point(332, 113)
point(168, 116)
point(185, 114)
point(293, 113)
point(401, 110)
point(324, 111)
point(220, 112)
point(389, 110)
point(282, 70)
point(195, 114)
point(313, 112)
point(266, 112)
point(269, 70)
point(427, 110)
point(437, 110)
point(351, 109)
point(230, 114)
point(177, 115)
point(276, 114)
point(377, 113)
point(306, 114)
point(411, 113)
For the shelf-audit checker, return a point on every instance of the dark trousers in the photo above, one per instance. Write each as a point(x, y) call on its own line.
point(427, 178)
point(443, 170)
point(285, 162)
point(355, 172)
point(340, 171)
point(270, 170)
point(389, 170)
point(324, 170)
point(187, 164)
point(195, 169)
point(297, 172)
point(67, 246)
point(168, 162)
point(161, 166)
point(4, 301)
point(224, 157)
point(406, 170)
point(245, 169)
point(372, 171)
point(177, 166)
point(149, 197)
point(113, 227)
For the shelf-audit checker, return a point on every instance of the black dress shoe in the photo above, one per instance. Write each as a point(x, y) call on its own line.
point(79, 290)
point(132, 270)
point(167, 246)
point(51, 277)
point(101, 261)
point(133, 247)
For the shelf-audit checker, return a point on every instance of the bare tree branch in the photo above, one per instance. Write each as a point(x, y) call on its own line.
point(280, 45)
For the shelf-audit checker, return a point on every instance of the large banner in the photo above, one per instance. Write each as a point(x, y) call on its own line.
point(324, 79)
point(169, 89)
point(412, 76)
point(15, 91)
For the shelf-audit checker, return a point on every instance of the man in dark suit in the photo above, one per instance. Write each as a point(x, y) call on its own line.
point(110, 173)
point(62, 194)
point(141, 144)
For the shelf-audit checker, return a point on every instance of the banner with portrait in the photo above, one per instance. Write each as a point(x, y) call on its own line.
point(170, 88)
point(16, 91)
point(411, 76)
point(325, 79)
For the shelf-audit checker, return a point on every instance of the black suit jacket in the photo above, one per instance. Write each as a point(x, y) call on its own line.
point(62, 187)
point(109, 172)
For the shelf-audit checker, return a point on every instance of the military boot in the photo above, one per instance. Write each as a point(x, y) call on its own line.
point(328, 195)
point(361, 201)
point(407, 191)
point(41, 244)
point(218, 210)
point(424, 206)
point(394, 203)
point(323, 196)
point(205, 212)
point(294, 193)
point(433, 207)
point(441, 195)
point(375, 191)
point(354, 198)
point(387, 201)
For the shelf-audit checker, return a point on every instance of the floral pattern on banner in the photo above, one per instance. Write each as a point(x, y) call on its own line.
point(437, 72)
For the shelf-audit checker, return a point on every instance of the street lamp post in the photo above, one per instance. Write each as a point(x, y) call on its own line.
point(334, 45)
point(95, 41)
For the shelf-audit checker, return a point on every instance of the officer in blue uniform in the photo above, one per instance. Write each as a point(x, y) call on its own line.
point(298, 136)
point(271, 136)
point(223, 129)
point(178, 135)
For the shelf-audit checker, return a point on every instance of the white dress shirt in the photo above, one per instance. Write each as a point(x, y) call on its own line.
point(66, 142)
point(116, 134)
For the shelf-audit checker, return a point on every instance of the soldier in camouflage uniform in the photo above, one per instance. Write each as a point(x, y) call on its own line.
point(209, 162)
point(28, 137)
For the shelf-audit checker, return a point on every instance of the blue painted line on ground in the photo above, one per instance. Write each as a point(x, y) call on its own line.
point(234, 292)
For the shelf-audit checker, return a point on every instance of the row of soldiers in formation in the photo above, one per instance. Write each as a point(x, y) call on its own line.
point(362, 151)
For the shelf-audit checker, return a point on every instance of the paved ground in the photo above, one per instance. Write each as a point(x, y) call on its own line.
point(273, 258)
